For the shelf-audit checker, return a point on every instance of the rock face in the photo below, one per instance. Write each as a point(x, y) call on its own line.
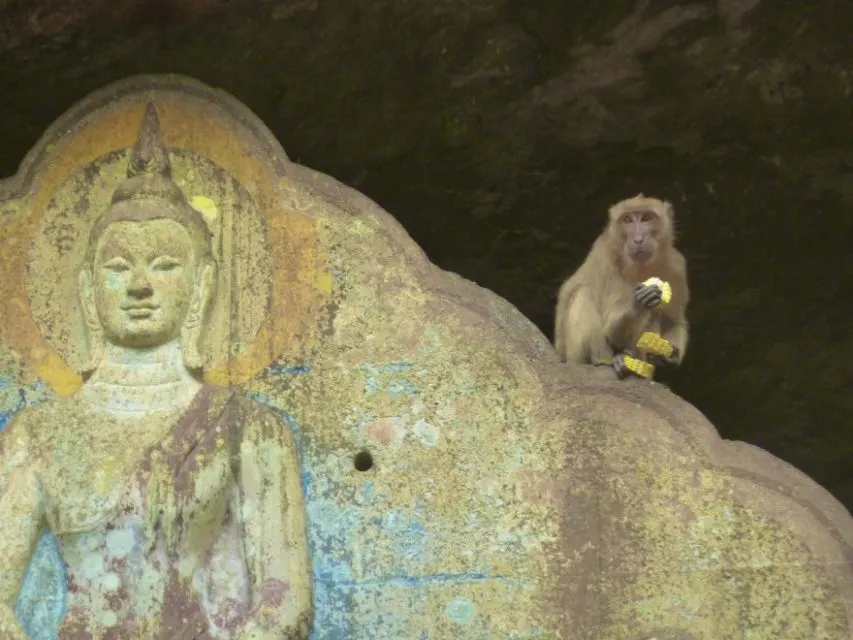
point(499, 132)
point(459, 482)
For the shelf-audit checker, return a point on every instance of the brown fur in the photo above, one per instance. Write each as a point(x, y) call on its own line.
point(596, 317)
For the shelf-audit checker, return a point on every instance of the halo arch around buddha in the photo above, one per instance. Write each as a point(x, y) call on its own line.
point(272, 276)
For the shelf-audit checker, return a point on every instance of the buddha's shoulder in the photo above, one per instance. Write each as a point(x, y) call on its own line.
point(238, 400)
point(45, 419)
point(62, 409)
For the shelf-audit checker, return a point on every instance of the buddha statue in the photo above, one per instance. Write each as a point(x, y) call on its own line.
point(176, 504)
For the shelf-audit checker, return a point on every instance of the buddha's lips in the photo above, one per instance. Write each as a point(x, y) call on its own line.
point(140, 311)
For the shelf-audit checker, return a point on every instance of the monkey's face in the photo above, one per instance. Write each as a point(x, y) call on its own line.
point(640, 233)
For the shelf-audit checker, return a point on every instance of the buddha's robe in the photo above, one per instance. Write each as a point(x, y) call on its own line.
point(202, 536)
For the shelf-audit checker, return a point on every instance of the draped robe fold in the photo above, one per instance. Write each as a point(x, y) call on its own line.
point(202, 534)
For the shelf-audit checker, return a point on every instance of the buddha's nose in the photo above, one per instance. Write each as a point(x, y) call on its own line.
point(139, 286)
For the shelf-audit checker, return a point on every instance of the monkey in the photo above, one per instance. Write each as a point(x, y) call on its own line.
point(609, 304)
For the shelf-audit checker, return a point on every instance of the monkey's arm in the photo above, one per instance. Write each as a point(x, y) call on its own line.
point(621, 320)
point(560, 317)
point(677, 331)
point(674, 325)
point(20, 524)
point(670, 345)
point(580, 335)
point(617, 324)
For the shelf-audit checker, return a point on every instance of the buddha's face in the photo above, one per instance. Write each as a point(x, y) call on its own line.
point(144, 276)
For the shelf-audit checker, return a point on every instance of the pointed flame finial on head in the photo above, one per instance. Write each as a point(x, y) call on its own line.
point(148, 192)
point(149, 156)
point(149, 172)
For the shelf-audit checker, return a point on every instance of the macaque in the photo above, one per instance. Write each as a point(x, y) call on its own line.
point(625, 306)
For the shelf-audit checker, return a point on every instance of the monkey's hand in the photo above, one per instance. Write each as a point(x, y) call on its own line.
point(625, 365)
point(652, 293)
point(658, 347)
point(619, 366)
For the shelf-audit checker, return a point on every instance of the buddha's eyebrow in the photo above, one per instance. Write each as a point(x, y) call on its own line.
point(163, 256)
point(113, 250)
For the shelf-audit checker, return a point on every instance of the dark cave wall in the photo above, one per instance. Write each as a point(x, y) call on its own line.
point(499, 132)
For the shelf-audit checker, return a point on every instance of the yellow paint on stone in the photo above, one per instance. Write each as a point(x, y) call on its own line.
point(325, 283)
point(205, 206)
point(300, 281)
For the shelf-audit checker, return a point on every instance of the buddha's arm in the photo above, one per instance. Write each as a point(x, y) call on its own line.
point(20, 524)
point(275, 531)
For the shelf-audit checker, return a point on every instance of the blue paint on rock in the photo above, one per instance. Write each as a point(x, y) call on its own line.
point(403, 387)
point(426, 433)
point(366, 494)
point(332, 538)
point(332, 530)
point(408, 536)
point(461, 610)
point(43, 598)
point(16, 398)
point(390, 367)
point(281, 369)
point(372, 385)
point(417, 582)
point(375, 375)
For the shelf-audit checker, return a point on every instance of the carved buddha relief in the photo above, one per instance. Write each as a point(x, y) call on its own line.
point(176, 504)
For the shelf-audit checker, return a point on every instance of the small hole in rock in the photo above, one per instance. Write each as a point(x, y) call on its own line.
point(363, 461)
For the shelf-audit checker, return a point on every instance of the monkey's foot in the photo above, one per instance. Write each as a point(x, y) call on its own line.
point(665, 289)
point(624, 365)
point(654, 344)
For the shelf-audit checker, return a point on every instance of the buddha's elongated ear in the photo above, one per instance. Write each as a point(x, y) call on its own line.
point(93, 329)
point(192, 331)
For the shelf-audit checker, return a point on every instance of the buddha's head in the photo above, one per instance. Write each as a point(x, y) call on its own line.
point(148, 274)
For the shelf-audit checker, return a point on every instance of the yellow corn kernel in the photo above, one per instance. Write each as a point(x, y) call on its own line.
point(640, 367)
point(665, 288)
point(651, 342)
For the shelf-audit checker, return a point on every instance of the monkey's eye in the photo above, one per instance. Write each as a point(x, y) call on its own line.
point(647, 217)
point(627, 219)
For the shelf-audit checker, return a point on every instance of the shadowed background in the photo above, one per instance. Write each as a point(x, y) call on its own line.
point(498, 132)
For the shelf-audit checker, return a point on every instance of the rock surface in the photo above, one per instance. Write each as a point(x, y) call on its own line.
point(498, 133)
point(459, 480)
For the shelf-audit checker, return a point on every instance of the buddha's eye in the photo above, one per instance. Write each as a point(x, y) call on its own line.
point(165, 263)
point(116, 265)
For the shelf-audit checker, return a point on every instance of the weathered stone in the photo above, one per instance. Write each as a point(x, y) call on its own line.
point(175, 504)
point(736, 110)
point(459, 481)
